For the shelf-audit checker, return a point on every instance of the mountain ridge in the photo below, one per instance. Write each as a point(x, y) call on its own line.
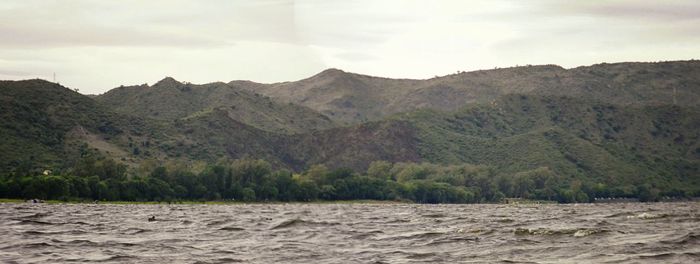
point(170, 99)
point(354, 98)
point(616, 124)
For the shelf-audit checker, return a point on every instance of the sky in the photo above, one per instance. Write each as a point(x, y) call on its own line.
point(95, 45)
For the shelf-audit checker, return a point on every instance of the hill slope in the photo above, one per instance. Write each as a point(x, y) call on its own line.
point(48, 125)
point(353, 98)
point(611, 123)
point(169, 99)
point(574, 137)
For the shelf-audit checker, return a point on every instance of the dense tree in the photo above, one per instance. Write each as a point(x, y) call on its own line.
point(380, 169)
point(255, 180)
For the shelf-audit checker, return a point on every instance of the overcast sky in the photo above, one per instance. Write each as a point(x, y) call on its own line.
point(99, 45)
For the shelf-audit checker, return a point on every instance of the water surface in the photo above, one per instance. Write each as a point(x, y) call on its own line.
point(351, 233)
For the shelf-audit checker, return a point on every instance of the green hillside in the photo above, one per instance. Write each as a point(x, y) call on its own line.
point(45, 125)
point(620, 125)
point(354, 98)
point(573, 137)
point(169, 100)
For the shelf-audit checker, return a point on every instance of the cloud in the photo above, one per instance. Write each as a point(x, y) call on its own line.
point(355, 56)
point(13, 73)
point(575, 33)
point(97, 45)
point(672, 10)
point(191, 24)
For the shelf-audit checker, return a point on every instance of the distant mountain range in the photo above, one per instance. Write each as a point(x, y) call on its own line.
point(615, 122)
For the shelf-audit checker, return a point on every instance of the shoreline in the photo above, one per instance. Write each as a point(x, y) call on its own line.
point(21, 201)
point(374, 202)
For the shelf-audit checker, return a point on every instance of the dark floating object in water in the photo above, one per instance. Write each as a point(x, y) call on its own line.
point(35, 201)
point(152, 218)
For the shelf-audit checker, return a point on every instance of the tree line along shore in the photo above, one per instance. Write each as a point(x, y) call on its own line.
point(95, 178)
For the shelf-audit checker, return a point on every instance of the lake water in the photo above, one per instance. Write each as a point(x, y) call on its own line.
point(351, 233)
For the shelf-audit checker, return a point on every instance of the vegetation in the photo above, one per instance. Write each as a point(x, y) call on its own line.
point(169, 100)
point(355, 98)
point(576, 138)
point(251, 180)
point(534, 132)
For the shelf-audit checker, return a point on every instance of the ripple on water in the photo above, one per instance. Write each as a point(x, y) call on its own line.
point(692, 238)
point(343, 233)
point(576, 232)
point(299, 222)
point(34, 222)
point(231, 228)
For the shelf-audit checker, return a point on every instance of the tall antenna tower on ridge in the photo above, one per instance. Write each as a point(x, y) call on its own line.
point(674, 95)
point(54, 76)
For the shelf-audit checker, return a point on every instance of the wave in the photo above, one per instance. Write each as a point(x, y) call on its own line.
point(298, 221)
point(578, 232)
point(415, 236)
point(588, 232)
point(367, 234)
point(227, 260)
point(35, 222)
point(220, 260)
point(80, 242)
point(85, 242)
point(516, 261)
point(619, 214)
point(33, 232)
point(647, 216)
point(117, 258)
point(29, 245)
point(358, 233)
point(231, 228)
point(691, 256)
point(49, 233)
point(288, 223)
point(398, 220)
point(690, 238)
point(452, 240)
point(34, 216)
point(79, 223)
point(414, 255)
point(434, 215)
point(219, 222)
point(134, 231)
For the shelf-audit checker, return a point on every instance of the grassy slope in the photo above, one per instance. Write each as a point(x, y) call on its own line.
point(49, 124)
point(354, 98)
point(599, 136)
point(215, 135)
point(169, 99)
point(574, 137)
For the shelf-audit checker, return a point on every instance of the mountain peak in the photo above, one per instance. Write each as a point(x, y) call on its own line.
point(330, 72)
point(167, 81)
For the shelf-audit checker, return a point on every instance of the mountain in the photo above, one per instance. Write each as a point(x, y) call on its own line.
point(46, 124)
point(50, 126)
point(571, 136)
point(354, 98)
point(215, 135)
point(613, 123)
point(169, 99)
point(345, 97)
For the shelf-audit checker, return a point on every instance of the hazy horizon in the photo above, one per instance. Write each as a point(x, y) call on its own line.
point(96, 46)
